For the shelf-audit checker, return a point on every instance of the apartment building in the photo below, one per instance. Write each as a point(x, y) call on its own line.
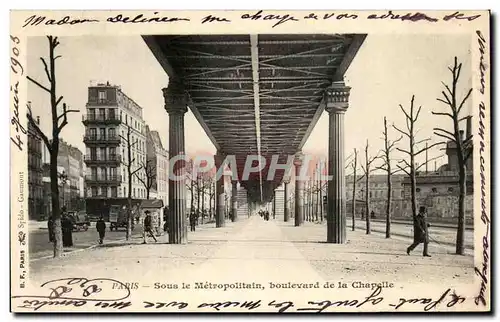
point(113, 123)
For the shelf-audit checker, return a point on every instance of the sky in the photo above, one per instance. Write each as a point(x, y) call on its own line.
point(386, 72)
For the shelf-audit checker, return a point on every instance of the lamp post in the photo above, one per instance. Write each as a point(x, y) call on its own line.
point(64, 179)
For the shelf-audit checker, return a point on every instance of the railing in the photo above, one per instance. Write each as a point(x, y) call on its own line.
point(103, 158)
point(99, 138)
point(111, 118)
point(103, 178)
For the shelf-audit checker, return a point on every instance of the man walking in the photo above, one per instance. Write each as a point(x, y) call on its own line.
point(192, 220)
point(148, 227)
point(101, 229)
point(421, 233)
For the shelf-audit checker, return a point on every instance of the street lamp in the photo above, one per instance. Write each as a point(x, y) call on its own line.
point(64, 179)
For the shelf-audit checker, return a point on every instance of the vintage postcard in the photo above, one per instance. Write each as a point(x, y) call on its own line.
point(250, 161)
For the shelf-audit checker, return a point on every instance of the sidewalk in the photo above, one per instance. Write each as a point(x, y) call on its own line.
point(438, 234)
point(264, 253)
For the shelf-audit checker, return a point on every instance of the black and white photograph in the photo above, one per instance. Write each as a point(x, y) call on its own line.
point(302, 169)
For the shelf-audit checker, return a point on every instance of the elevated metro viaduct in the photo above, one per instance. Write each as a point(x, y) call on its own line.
point(258, 95)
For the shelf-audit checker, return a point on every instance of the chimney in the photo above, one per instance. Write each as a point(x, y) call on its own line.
point(469, 126)
point(38, 120)
point(461, 135)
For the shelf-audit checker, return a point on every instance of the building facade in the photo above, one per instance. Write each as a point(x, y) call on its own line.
point(157, 157)
point(438, 191)
point(71, 172)
point(113, 124)
point(35, 184)
point(378, 194)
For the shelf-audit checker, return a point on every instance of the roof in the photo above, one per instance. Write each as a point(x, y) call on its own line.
point(152, 203)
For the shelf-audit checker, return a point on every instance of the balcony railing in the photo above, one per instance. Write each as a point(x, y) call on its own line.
point(99, 118)
point(109, 139)
point(110, 158)
point(103, 179)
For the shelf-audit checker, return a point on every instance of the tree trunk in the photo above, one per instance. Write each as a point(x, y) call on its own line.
point(367, 202)
point(129, 210)
point(198, 193)
point(353, 207)
point(210, 200)
point(56, 211)
point(389, 201)
point(191, 189)
point(202, 203)
point(460, 247)
point(413, 181)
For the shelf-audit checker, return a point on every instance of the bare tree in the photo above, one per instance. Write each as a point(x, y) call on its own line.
point(354, 165)
point(149, 176)
point(367, 170)
point(411, 168)
point(130, 174)
point(386, 166)
point(462, 145)
point(59, 121)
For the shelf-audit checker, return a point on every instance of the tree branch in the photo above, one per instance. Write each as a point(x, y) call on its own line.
point(404, 151)
point(445, 131)
point(463, 101)
point(427, 162)
point(445, 136)
point(428, 147)
point(402, 169)
point(444, 114)
point(39, 85)
point(400, 131)
point(46, 69)
point(38, 130)
point(402, 109)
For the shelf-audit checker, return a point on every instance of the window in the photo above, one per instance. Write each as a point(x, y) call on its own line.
point(114, 192)
point(94, 191)
point(102, 114)
point(112, 152)
point(124, 191)
point(93, 172)
point(102, 133)
point(112, 132)
point(91, 113)
point(102, 153)
point(101, 96)
point(92, 132)
point(133, 193)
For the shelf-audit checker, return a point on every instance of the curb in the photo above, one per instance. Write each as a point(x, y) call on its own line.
point(410, 237)
point(79, 250)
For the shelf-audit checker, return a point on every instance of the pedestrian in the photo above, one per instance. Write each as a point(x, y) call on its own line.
point(67, 231)
point(421, 233)
point(50, 224)
point(274, 215)
point(101, 229)
point(147, 227)
point(192, 220)
point(372, 214)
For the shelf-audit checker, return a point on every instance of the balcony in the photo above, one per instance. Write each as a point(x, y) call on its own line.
point(103, 159)
point(103, 179)
point(106, 140)
point(100, 119)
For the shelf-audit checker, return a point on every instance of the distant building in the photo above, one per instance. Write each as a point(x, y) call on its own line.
point(438, 191)
point(70, 163)
point(378, 194)
point(35, 185)
point(110, 112)
point(158, 158)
